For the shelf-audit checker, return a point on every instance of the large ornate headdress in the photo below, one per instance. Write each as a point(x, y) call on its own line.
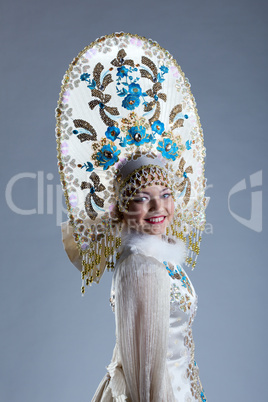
point(125, 113)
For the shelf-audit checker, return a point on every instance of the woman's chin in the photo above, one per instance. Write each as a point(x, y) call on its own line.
point(154, 229)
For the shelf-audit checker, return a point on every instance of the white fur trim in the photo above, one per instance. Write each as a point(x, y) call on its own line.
point(154, 246)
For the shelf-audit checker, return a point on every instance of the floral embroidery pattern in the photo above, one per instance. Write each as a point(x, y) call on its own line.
point(131, 102)
point(97, 85)
point(93, 201)
point(84, 131)
point(88, 165)
point(158, 127)
point(107, 156)
point(127, 87)
point(176, 118)
point(178, 273)
point(176, 296)
point(102, 79)
point(131, 90)
point(188, 144)
point(137, 135)
point(102, 103)
point(185, 186)
point(147, 132)
point(149, 70)
point(112, 133)
point(86, 77)
point(121, 61)
point(168, 148)
point(192, 372)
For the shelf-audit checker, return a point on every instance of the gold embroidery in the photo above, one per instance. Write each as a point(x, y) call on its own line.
point(79, 123)
point(146, 74)
point(153, 94)
point(103, 99)
point(186, 182)
point(120, 59)
point(96, 187)
point(150, 64)
point(178, 123)
point(97, 72)
point(184, 301)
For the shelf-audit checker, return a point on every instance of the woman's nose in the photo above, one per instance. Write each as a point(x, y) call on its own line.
point(155, 203)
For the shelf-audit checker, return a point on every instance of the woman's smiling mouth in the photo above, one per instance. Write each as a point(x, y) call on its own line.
point(155, 219)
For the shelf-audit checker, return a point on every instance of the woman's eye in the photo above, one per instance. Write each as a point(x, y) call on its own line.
point(140, 199)
point(166, 195)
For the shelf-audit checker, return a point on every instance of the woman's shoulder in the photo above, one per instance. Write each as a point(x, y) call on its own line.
point(135, 267)
point(135, 256)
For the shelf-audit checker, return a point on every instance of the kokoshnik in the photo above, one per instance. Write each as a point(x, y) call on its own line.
point(125, 102)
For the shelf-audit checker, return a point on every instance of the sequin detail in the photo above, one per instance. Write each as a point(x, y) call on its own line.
point(178, 273)
point(192, 372)
point(176, 296)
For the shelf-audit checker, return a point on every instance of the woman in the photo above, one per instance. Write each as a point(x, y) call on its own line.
point(131, 162)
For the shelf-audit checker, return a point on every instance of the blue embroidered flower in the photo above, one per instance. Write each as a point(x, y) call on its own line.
point(84, 76)
point(107, 156)
point(89, 167)
point(130, 102)
point(135, 89)
point(188, 144)
point(122, 71)
point(168, 149)
point(158, 127)
point(164, 69)
point(112, 133)
point(91, 83)
point(137, 135)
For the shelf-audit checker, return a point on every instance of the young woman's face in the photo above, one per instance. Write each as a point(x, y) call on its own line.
point(151, 210)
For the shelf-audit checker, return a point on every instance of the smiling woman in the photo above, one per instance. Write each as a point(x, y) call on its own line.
point(131, 153)
point(151, 210)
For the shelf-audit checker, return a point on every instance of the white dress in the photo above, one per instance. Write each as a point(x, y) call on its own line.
point(155, 304)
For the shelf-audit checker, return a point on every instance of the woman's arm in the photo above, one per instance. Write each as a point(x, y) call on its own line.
point(142, 292)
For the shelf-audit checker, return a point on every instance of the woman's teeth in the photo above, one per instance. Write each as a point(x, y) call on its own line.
point(156, 220)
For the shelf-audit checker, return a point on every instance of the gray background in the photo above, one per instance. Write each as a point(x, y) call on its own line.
point(54, 343)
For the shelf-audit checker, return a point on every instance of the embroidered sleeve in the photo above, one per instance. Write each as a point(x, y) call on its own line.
point(142, 321)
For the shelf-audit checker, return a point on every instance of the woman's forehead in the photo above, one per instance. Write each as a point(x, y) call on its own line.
point(157, 188)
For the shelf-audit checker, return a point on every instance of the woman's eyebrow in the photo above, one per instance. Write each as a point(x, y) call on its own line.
point(141, 192)
point(145, 192)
